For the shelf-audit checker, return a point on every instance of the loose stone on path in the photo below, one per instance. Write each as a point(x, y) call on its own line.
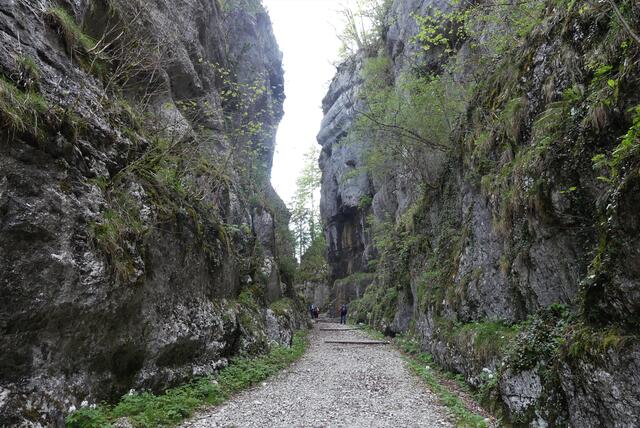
point(334, 385)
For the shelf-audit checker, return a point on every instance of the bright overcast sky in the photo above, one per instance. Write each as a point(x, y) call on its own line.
point(306, 32)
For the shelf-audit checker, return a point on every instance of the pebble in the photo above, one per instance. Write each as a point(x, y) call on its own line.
point(334, 385)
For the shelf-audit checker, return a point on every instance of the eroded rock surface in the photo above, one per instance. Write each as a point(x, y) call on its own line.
point(552, 253)
point(125, 239)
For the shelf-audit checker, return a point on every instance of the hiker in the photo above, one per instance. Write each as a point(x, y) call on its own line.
point(343, 314)
point(315, 311)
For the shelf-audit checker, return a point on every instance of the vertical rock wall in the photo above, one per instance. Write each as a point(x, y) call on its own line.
point(500, 287)
point(125, 239)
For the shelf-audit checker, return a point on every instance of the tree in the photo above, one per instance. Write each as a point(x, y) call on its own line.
point(363, 25)
point(313, 263)
point(305, 215)
point(407, 121)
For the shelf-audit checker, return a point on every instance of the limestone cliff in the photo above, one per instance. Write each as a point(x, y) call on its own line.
point(516, 265)
point(140, 240)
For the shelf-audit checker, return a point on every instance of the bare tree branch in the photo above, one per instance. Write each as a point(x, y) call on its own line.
point(624, 22)
point(401, 130)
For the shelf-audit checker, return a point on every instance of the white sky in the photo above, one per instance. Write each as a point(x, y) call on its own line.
point(306, 32)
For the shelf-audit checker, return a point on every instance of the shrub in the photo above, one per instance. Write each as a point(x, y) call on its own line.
point(87, 418)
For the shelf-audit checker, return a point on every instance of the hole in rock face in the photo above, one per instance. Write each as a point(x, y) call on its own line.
point(126, 361)
point(351, 163)
point(181, 352)
point(15, 363)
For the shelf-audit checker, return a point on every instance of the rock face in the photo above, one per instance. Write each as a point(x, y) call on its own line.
point(340, 199)
point(474, 257)
point(127, 227)
point(316, 292)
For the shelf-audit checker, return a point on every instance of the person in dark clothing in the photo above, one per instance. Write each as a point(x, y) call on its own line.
point(343, 314)
point(314, 311)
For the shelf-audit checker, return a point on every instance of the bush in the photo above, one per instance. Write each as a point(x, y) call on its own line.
point(87, 418)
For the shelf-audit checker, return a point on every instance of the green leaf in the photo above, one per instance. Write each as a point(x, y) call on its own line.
point(602, 70)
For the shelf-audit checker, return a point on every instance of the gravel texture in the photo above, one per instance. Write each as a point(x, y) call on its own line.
point(334, 385)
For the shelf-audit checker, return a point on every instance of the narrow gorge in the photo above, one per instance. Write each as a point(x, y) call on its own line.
point(479, 174)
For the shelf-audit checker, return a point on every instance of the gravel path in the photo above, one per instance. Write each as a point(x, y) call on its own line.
point(334, 385)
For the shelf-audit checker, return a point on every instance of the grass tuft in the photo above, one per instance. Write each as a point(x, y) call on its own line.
point(463, 416)
point(30, 73)
point(112, 234)
point(77, 42)
point(22, 112)
point(282, 307)
point(71, 32)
